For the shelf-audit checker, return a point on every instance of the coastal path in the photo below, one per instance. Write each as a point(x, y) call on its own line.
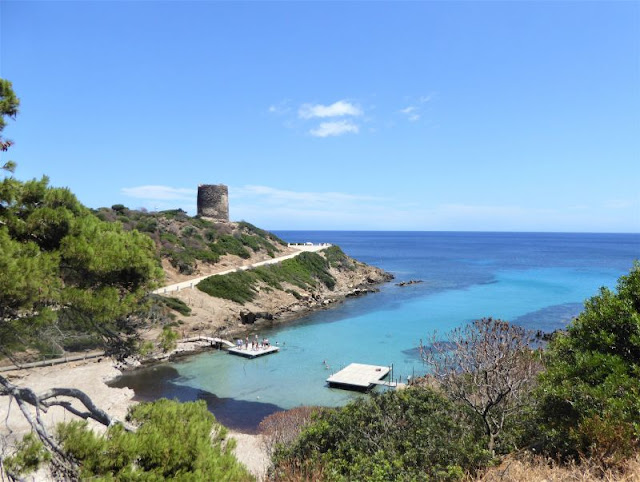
point(302, 248)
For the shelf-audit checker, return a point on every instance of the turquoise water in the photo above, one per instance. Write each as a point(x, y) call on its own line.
point(538, 281)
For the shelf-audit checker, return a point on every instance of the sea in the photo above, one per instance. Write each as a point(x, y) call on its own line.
point(537, 280)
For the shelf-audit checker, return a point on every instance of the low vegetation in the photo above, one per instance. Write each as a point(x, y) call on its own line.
point(184, 240)
point(413, 434)
point(304, 271)
point(175, 304)
point(173, 440)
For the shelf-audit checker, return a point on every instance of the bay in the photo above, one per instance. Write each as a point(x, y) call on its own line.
point(538, 280)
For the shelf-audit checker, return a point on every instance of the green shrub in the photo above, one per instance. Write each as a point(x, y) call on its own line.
point(119, 208)
point(168, 339)
point(227, 244)
point(589, 398)
point(149, 225)
point(413, 434)
point(175, 304)
point(337, 259)
point(183, 261)
point(170, 237)
point(189, 231)
point(295, 294)
point(237, 286)
point(173, 442)
point(30, 454)
point(210, 235)
point(178, 214)
point(261, 233)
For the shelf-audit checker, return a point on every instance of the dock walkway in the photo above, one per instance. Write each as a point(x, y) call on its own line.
point(251, 353)
point(358, 376)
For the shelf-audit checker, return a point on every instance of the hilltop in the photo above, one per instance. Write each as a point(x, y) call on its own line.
point(190, 247)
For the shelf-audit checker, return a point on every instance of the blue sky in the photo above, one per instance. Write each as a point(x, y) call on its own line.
point(505, 116)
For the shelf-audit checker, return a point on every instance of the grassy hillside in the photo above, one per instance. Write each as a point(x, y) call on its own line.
point(304, 271)
point(185, 240)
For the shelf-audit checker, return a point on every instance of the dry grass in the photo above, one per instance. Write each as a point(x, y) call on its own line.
point(539, 469)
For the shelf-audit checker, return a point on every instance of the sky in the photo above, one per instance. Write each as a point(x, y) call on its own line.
point(448, 116)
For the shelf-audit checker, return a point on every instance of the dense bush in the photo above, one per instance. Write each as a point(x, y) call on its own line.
point(413, 434)
point(173, 441)
point(590, 396)
point(304, 271)
point(175, 304)
point(237, 286)
point(337, 259)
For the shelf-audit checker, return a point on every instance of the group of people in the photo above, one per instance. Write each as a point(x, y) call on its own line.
point(255, 343)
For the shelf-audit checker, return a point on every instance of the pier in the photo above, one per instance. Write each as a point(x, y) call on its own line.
point(360, 377)
point(251, 353)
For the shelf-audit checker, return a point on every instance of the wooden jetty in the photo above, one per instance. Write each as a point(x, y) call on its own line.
point(359, 377)
point(251, 353)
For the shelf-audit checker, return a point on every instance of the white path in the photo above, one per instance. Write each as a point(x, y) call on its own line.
point(302, 248)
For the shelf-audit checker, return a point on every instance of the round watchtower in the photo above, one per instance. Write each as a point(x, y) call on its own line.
point(213, 202)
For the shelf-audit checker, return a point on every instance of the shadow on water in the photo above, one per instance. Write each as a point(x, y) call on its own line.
point(156, 382)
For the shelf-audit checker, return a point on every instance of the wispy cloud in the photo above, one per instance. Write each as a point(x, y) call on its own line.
point(337, 109)
point(272, 196)
point(280, 108)
point(159, 193)
point(413, 111)
point(272, 208)
point(337, 128)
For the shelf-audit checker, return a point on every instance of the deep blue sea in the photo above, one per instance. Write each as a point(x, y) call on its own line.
point(537, 280)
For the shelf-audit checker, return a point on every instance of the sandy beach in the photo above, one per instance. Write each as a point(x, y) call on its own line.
point(91, 377)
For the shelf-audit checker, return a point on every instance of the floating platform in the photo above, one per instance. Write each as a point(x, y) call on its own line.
point(251, 353)
point(359, 377)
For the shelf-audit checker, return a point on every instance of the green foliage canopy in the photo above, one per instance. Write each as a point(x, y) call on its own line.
point(8, 108)
point(413, 434)
point(173, 442)
point(59, 264)
point(589, 394)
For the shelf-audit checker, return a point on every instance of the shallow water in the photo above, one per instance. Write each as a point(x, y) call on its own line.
point(537, 280)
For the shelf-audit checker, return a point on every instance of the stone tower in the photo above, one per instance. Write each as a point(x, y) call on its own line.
point(213, 202)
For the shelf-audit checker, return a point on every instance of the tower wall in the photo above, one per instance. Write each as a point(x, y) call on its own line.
point(213, 202)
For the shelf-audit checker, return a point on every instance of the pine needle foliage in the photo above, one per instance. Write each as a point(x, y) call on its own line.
point(174, 441)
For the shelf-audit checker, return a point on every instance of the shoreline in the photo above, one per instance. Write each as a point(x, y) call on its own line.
point(241, 330)
point(95, 376)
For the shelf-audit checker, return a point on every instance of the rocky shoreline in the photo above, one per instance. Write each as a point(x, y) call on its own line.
point(249, 322)
point(217, 317)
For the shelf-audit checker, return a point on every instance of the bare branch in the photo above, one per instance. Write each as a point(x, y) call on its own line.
point(489, 366)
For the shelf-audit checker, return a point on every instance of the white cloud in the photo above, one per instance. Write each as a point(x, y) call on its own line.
point(159, 193)
point(337, 109)
point(413, 112)
point(327, 129)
